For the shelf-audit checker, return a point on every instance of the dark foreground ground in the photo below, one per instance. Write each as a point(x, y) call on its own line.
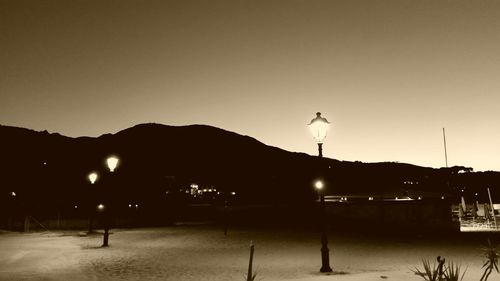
point(202, 252)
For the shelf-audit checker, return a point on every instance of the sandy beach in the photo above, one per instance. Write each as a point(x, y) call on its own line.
point(202, 252)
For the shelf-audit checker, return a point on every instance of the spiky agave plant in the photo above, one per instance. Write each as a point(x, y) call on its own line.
point(452, 272)
point(432, 272)
point(491, 262)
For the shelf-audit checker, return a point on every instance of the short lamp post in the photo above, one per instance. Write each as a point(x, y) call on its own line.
point(112, 163)
point(92, 179)
point(319, 128)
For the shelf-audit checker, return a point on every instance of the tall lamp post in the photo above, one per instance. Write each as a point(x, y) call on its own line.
point(92, 178)
point(112, 162)
point(319, 128)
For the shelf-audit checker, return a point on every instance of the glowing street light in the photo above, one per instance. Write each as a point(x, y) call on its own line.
point(319, 129)
point(318, 185)
point(93, 177)
point(112, 163)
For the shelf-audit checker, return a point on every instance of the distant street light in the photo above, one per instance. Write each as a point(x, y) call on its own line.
point(92, 178)
point(319, 128)
point(318, 185)
point(112, 163)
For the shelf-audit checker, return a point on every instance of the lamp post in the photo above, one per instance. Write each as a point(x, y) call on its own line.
point(319, 128)
point(112, 163)
point(92, 178)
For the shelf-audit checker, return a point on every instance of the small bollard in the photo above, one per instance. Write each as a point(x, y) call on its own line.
point(106, 237)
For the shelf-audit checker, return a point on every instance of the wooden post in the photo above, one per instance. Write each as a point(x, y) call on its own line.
point(250, 276)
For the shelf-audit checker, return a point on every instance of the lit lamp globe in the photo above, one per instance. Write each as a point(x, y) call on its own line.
point(112, 163)
point(93, 177)
point(319, 129)
point(318, 185)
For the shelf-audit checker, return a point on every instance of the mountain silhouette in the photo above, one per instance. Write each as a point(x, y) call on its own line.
point(48, 170)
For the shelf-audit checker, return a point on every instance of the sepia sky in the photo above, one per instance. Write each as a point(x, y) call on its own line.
point(388, 75)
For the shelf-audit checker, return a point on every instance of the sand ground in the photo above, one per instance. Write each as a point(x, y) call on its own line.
point(202, 252)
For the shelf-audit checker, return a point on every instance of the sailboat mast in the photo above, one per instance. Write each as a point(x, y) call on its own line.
point(445, 153)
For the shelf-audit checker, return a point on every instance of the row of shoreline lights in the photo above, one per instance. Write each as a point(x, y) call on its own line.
point(194, 190)
point(341, 199)
point(112, 163)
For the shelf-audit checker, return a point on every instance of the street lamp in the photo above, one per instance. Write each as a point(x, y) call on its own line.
point(319, 128)
point(92, 178)
point(112, 163)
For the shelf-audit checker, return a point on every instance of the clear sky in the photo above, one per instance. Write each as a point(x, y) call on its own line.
point(388, 75)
